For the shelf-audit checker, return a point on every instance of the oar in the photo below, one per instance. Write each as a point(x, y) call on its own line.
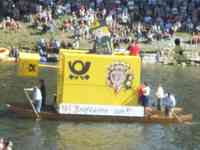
point(33, 107)
point(178, 118)
point(192, 123)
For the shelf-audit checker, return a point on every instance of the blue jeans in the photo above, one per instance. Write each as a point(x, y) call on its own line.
point(145, 100)
point(159, 103)
point(38, 105)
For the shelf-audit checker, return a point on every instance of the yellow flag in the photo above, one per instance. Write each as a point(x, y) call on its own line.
point(28, 64)
point(98, 79)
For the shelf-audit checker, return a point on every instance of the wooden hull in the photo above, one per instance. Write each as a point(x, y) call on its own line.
point(25, 112)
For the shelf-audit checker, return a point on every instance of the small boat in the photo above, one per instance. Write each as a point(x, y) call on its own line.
point(25, 111)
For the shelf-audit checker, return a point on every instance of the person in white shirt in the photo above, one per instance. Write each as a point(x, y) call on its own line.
point(173, 100)
point(146, 95)
point(37, 97)
point(159, 95)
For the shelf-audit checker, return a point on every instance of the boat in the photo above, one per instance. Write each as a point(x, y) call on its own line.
point(25, 111)
point(85, 93)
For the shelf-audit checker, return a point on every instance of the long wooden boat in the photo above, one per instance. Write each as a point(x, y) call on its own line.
point(25, 111)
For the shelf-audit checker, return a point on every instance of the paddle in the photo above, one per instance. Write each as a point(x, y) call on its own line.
point(33, 107)
point(178, 118)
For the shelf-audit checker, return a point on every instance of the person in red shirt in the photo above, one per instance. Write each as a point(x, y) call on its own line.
point(141, 93)
point(134, 48)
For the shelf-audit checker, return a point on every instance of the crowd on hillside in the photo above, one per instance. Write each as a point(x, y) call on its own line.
point(164, 14)
point(149, 18)
point(144, 20)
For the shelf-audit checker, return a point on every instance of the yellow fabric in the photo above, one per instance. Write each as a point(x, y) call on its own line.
point(75, 89)
point(28, 64)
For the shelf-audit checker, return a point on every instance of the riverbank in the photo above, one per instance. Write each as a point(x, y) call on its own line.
point(26, 38)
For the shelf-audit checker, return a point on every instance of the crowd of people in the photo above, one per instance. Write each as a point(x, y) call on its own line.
point(10, 24)
point(145, 20)
point(5, 144)
point(153, 12)
point(164, 101)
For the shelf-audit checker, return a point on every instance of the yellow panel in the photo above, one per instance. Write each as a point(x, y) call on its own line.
point(96, 79)
point(60, 78)
point(28, 64)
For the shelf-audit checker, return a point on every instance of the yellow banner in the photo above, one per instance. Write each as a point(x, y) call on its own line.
point(99, 79)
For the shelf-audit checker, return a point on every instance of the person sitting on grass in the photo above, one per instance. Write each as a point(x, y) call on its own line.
point(66, 26)
point(14, 25)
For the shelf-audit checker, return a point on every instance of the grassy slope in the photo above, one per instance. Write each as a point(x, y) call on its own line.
point(27, 37)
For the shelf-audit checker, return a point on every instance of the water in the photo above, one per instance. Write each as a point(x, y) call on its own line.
point(57, 135)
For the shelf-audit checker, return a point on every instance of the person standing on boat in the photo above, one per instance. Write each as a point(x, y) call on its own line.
point(146, 95)
point(141, 93)
point(42, 87)
point(37, 97)
point(173, 102)
point(169, 103)
point(159, 96)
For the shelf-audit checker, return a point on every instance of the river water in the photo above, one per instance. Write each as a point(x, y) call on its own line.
point(57, 135)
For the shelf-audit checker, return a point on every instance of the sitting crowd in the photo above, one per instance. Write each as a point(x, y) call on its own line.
point(10, 24)
point(145, 20)
point(149, 19)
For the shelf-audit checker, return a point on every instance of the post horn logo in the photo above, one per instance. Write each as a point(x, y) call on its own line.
point(79, 70)
point(31, 68)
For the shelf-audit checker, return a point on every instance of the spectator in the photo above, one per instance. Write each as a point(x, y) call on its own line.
point(134, 48)
point(14, 52)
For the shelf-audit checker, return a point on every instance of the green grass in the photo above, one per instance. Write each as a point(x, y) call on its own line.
point(27, 37)
point(185, 35)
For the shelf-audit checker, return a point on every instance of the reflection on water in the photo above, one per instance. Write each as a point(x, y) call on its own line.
point(56, 135)
point(99, 136)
